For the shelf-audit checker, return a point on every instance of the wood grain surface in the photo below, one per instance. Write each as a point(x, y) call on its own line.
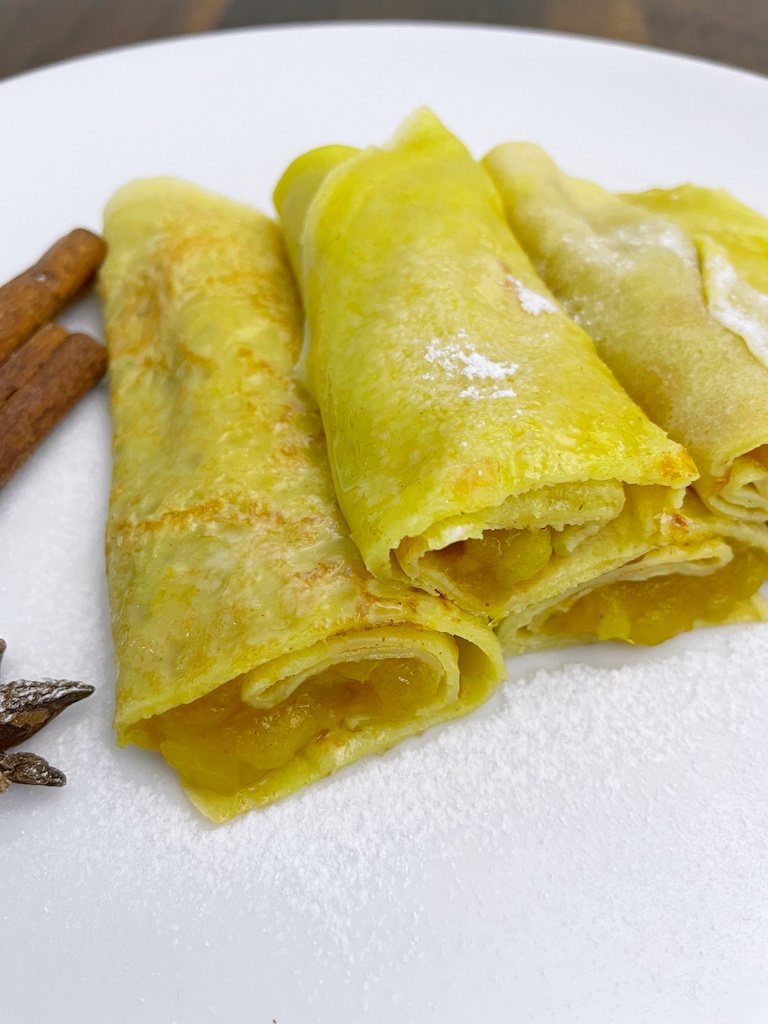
point(37, 32)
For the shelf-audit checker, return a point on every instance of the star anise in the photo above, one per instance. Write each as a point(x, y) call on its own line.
point(28, 770)
point(25, 707)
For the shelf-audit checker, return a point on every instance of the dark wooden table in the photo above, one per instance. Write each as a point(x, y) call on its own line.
point(36, 32)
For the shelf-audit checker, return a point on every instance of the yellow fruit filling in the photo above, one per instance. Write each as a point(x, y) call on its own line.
point(221, 744)
point(653, 610)
point(488, 569)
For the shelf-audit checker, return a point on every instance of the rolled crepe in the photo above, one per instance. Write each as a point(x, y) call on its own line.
point(668, 318)
point(254, 649)
point(476, 440)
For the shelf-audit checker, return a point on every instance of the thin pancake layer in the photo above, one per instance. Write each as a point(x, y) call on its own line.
point(649, 297)
point(254, 649)
point(475, 437)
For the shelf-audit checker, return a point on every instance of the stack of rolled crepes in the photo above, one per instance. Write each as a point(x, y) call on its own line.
point(672, 287)
point(281, 607)
point(480, 447)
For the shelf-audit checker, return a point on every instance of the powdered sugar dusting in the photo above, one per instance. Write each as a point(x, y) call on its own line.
point(457, 358)
point(581, 795)
point(532, 302)
point(655, 232)
point(473, 391)
point(620, 249)
point(735, 304)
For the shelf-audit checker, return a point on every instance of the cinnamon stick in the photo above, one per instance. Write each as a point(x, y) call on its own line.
point(43, 290)
point(31, 412)
point(23, 364)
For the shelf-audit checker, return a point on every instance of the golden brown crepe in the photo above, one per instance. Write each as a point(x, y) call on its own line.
point(254, 649)
point(479, 447)
point(668, 317)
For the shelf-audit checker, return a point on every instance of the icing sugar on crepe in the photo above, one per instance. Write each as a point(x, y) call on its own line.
point(458, 358)
point(532, 302)
point(734, 303)
point(623, 248)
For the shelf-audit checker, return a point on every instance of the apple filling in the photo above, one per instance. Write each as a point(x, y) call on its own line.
point(653, 610)
point(220, 743)
point(487, 570)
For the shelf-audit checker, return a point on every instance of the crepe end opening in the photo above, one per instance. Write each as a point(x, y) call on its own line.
point(481, 574)
point(653, 610)
point(739, 490)
point(232, 756)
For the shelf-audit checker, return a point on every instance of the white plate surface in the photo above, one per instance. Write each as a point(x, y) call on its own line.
point(590, 847)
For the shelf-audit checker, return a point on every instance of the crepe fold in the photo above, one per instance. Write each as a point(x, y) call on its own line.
point(732, 245)
point(659, 283)
point(479, 446)
point(254, 649)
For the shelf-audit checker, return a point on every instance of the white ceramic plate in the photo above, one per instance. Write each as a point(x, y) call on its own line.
point(590, 847)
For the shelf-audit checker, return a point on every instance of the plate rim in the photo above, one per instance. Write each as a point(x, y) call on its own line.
point(223, 35)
